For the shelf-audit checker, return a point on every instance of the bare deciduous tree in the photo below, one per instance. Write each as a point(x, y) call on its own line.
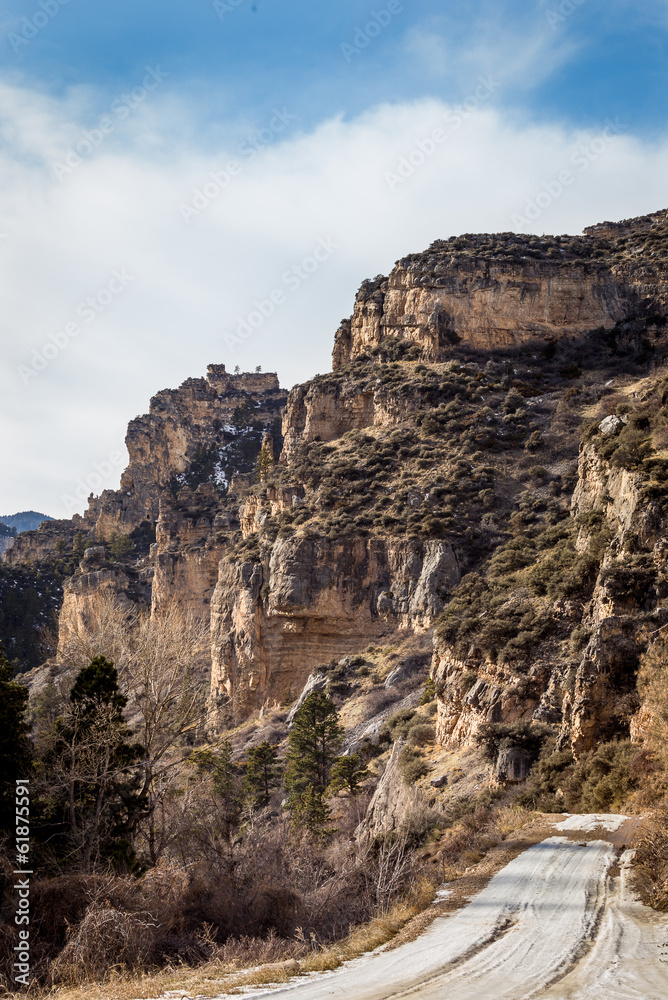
point(159, 659)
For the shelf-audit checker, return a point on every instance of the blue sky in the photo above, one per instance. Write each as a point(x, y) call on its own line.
point(264, 129)
point(604, 57)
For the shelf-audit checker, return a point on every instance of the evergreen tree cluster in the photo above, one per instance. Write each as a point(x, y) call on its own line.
point(312, 771)
point(91, 772)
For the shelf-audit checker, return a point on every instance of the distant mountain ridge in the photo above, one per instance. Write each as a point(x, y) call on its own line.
point(26, 520)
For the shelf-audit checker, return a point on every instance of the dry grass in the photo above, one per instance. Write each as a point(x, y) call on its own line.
point(225, 976)
point(650, 875)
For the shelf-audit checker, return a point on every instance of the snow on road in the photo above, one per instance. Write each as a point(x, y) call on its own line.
point(550, 925)
point(593, 821)
point(629, 959)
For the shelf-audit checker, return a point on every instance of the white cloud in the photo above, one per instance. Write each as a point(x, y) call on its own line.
point(522, 51)
point(193, 281)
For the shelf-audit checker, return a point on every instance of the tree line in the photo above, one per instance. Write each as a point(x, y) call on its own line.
point(107, 789)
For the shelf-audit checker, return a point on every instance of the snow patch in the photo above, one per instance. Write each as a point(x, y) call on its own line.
point(593, 821)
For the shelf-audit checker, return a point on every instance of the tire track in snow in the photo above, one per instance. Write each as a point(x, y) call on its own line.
point(625, 962)
point(552, 925)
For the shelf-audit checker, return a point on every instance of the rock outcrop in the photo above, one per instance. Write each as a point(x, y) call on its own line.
point(199, 431)
point(393, 800)
point(507, 290)
point(311, 600)
point(98, 577)
point(434, 477)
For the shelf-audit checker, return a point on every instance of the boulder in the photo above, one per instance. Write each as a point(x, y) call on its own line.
point(513, 764)
point(611, 425)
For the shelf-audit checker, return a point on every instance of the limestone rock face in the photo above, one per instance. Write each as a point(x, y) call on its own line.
point(311, 600)
point(191, 537)
point(393, 800)
point(325, 413)
point(486, 307)
point(594, 695)
point(604, 690)
point(35, 546)
point(181, 423)
point(469, 294)
point(81, 593)
point(465, 703)
point(180, 426)
point(311, 413)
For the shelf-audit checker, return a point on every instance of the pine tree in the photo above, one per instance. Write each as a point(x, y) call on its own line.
point(314, 744)
point(262, 774)
point(348, 773)
point(96, 689)
point(92, 779)
point(264, 464)
point(15, 755)
point(225, 781)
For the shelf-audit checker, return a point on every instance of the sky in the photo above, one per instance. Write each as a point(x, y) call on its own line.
point(210, 182)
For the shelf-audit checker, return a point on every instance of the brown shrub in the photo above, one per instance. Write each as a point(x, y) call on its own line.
point(650, 876)
point(421, 733)
point(377, 701)
point(105, 940)
point(60, 903)
point(642, 765)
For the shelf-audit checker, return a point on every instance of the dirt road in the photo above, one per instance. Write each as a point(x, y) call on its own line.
point(554, 924)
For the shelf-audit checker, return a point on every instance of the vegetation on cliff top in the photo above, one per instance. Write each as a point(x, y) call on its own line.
point(593, 250)
point(161, 847)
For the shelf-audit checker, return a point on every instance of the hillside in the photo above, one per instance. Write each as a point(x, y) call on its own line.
point(458, 537)
point(27, 520)
point(434, 470)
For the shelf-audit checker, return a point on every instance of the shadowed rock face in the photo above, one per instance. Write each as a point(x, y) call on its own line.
point(513, 765)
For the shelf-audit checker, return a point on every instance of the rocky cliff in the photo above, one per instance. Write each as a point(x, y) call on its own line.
point(160, 537)
point(554, 629)
point(205, 432)
point(306, 601)
point(493, 292)
point(437, 478)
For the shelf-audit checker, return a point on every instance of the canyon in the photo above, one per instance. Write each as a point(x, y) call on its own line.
point(453, 467)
